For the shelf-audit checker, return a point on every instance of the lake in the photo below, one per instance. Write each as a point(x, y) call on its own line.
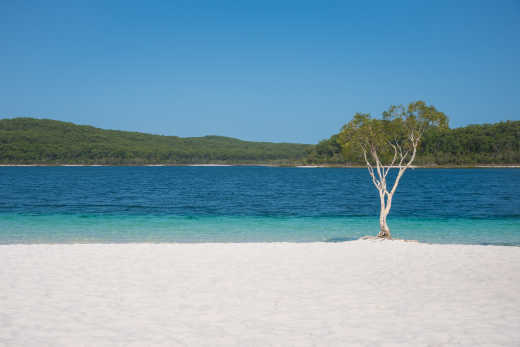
point(253, 204)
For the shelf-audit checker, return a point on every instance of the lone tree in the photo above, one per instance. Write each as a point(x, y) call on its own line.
point(389, 143)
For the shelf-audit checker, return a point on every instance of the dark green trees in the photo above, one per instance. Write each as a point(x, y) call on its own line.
point(45, 141)
point(484, 144)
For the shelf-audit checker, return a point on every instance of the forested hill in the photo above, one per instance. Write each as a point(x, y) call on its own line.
point(45, 141)
point(497, 143)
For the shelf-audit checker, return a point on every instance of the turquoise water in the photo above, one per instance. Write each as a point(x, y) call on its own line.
point(85, 229)
point(252, 204)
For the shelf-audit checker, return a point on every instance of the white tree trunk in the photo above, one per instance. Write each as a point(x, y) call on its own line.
point(384, 230)
point(379, 174)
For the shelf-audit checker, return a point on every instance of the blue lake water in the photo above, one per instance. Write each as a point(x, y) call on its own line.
point(252, 204)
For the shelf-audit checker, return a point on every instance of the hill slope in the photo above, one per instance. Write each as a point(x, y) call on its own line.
point(46, 141)
point(497, 143)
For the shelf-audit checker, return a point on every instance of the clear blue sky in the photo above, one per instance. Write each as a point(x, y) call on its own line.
point(292, 71)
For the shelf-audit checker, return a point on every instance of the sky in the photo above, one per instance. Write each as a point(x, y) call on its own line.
point(282, 71)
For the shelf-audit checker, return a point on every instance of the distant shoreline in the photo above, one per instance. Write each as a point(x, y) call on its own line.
point(477, 166)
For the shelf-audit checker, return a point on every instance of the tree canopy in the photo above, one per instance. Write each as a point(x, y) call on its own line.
point(45, 141)
point(394, 137)
point(483, 144)
point(389, 142)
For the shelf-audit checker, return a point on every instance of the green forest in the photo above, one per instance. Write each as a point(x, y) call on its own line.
point(484, 144)
point(45, 141)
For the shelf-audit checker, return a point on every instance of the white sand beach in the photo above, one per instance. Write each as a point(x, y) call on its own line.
point(361, 293)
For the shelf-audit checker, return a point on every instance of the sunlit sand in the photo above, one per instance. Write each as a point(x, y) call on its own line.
point(259, 294)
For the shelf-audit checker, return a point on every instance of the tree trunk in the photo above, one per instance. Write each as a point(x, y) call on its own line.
point(382, 171)
point(384, 230)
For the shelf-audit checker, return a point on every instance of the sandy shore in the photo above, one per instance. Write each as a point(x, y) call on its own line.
point(361, 293)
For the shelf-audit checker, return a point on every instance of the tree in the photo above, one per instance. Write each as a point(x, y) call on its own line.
point(389, 143)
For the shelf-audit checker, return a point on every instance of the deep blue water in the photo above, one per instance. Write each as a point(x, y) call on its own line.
point(240, 204)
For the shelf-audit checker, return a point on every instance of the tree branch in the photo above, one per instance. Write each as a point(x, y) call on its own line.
point(370, 168)
point(385, 173)
point(403, 169)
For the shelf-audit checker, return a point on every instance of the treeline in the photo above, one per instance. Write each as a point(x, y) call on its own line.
point(45, 141)
point(497, 143)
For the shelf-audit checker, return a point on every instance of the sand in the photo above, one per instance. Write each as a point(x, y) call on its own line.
point(361, 293)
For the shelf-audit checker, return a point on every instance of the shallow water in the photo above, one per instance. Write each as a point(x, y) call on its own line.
point(252, 204)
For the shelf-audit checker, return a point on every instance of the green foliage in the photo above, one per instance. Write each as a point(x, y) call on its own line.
point(497, 143)
point(35, 141)
point(393, 137)
point(45, 141)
